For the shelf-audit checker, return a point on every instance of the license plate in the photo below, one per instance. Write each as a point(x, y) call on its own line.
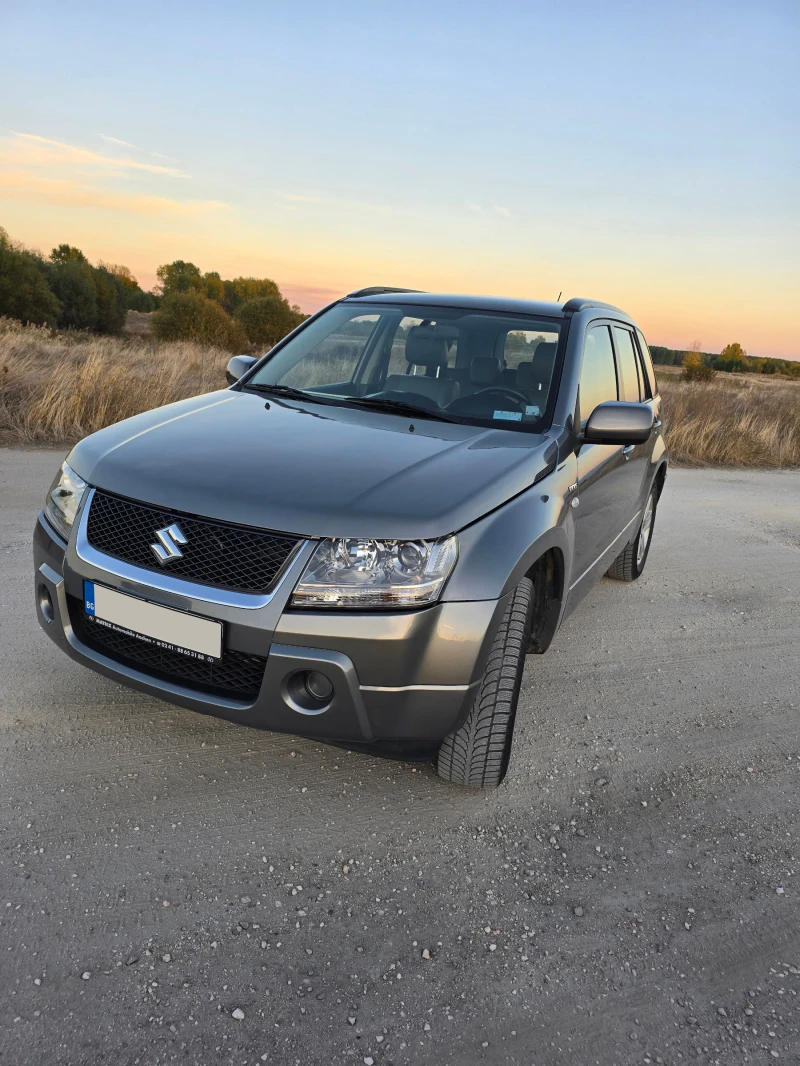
point(165, 627)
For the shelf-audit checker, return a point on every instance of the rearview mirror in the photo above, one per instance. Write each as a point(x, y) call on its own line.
point(238, 366)
point(616, 422)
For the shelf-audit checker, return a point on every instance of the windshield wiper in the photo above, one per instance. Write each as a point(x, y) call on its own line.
point(279, 390)
point(400, 407)
point(377, 403)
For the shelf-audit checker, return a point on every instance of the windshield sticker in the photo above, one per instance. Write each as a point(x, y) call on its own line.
point(532, 409)
point(508, 416)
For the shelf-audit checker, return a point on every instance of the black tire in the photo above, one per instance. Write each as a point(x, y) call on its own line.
point(630, 563)
point(477, 754)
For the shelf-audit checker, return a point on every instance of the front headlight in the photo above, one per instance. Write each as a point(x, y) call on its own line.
point(64, 498)
point(375, 573)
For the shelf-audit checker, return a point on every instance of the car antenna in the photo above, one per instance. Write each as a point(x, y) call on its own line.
point(558, 298)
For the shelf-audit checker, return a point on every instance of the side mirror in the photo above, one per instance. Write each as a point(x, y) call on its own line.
point(237, 366)
point(617, 422)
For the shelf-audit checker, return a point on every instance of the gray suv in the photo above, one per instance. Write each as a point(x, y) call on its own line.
point(362, 538)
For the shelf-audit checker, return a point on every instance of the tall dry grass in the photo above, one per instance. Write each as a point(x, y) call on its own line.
point(56, 388)
point(732, 421)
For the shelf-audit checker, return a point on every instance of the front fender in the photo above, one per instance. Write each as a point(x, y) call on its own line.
point(498, 550)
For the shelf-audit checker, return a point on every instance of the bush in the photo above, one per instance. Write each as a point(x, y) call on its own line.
point(241, 290)
point(139, 300)
point(190, 316)
point(24, 292)
point(267, 319)
point(694, 369)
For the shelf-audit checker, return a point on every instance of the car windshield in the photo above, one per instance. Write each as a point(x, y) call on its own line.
point(456, 364)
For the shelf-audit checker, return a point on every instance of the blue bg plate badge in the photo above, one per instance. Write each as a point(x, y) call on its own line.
point(88, 597)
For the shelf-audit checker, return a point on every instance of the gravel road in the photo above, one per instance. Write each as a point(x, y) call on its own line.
point(178, 889)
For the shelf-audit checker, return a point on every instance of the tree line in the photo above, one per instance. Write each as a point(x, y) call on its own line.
point(65, 291)
point(733, 359)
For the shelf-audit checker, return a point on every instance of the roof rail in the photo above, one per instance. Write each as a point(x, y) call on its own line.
point(579, 303)
point(379, 290)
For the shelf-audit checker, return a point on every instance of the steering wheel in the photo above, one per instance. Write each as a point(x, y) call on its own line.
point(499, 390)
point(503, 390)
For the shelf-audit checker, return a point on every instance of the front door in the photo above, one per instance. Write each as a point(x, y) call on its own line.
point(609, 480)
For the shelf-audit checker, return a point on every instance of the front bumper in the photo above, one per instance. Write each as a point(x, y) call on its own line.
point(401, 679)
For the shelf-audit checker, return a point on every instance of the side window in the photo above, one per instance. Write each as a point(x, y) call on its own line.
point(335, 358)
point(627, 364)
point(598, 377)
point(650, 375)
point(519, 346)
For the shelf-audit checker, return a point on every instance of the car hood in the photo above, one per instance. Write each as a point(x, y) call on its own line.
point(312, 469)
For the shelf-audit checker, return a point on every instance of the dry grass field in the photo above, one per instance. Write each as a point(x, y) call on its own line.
point(734, 420)
point(56, 388)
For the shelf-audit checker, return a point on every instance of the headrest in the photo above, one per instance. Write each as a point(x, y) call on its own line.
point(483, 370)
point(425, 348)
point(525, 376)
point(543, 359)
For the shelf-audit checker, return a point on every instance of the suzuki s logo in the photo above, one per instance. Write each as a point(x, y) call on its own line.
point(167, 549)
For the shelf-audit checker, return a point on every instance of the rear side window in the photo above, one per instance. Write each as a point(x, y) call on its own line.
point(627, 364)
point(520, 346)
point(648, 364)
point(598, 377)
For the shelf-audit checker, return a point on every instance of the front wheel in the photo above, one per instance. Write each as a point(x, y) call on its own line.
point(629, 564)
point(477, 754)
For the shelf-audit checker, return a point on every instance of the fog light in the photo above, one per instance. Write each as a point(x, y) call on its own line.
point(318, 686)
point(46, 604)
point(308, 692)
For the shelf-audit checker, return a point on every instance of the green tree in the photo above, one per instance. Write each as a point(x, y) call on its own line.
point(71, 279)
point(267, 319)
point(67, 253)
point(179, 276)
point(24, 291)
point(192, 316)
point(136, 299)
point(214, 287)
point(732, 358)
point(112, 304)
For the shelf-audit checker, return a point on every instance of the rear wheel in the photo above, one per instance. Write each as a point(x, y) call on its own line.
point(477, 754)
point(630, 563)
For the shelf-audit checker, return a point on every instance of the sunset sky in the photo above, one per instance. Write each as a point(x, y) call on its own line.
point(642, 153)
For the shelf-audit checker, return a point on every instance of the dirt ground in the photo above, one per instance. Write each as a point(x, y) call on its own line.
point(178, 889)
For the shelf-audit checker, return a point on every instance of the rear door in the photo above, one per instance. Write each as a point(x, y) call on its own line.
point(608, 483)
point(634, 387)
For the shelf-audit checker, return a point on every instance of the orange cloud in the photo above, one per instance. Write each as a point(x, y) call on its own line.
point(27, 186)
point(32, 150)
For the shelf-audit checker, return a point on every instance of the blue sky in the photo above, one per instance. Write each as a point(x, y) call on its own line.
point(643, 153)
